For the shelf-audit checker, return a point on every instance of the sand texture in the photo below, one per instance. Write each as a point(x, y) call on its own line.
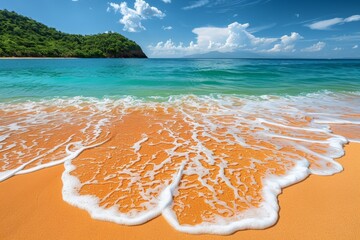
point(31, 207)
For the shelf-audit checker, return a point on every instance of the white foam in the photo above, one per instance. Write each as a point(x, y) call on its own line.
point(265, 119)
point(137, 145)
point(337, 121)
point(264, 216)
point(89, 203)
point(20, 170)
point(3, 137)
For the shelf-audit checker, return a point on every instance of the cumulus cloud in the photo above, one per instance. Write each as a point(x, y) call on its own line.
point(234, 37)
point(133, 17)
point(315, 48)
point(166, 1)
point(327, 24)
point(355, 47)
point(171, 49)
point(337, 49)
point(287, 43)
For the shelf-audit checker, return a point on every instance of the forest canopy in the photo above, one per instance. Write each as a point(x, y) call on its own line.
point(23, 37)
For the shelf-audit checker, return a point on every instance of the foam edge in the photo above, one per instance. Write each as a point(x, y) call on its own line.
point(267, 213)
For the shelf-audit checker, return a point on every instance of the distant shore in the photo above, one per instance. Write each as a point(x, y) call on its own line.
point(33, 38)
point(15, 58)
point(32, 58)
point(31, 207)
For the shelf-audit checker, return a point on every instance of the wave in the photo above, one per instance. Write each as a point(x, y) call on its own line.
point(209, 164)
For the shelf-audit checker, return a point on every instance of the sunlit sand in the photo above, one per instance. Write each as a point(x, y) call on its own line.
point(208, 165)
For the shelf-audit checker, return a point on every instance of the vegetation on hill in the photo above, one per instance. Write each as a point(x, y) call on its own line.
point(23, 37)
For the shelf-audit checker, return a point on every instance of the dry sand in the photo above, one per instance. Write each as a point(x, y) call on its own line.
point(31, 207)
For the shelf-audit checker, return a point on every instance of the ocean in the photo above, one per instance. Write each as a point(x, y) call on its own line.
point(36, 79)
point(207, 143)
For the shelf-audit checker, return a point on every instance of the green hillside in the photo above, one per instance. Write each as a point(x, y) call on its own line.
point(23, 37)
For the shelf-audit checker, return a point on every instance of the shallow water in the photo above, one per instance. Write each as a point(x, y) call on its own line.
point(209, 161)
point(165, 77)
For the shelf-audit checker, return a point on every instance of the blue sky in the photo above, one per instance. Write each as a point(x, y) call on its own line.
point(243, 28)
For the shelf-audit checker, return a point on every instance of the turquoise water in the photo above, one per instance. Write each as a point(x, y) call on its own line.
point(24, 79)
point(228, 134)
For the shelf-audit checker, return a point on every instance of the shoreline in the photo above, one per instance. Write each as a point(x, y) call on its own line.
point(31, 207)
point(35, 58)
point(30, 58)
point(191, 58)
point(51, 58)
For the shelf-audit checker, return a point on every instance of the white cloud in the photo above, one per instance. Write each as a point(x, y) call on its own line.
point(74, 0)
point(196, 4)
point(345, 38)
point(115, 6)
point(167, 28)
point(234, 37)
point(286, 44)
point(353, 18)
point(327, 24)
point(355, 46)
point(337, 49)
point(170, 49)
point(166, 1)
point(132, 18)
point(315, 48)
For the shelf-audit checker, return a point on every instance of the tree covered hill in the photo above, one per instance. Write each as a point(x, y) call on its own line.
point(23, 37)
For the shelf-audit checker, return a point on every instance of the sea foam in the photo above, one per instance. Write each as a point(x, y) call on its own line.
point(209, 164)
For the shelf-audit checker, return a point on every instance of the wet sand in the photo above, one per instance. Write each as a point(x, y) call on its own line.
point(31, 207)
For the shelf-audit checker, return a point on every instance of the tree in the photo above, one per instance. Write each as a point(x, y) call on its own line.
point(23, 37)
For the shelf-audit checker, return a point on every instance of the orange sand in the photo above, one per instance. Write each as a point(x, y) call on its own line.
point(225, 180)
point(31, 207)
point(118, 153)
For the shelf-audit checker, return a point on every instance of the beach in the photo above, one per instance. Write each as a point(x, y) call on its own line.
point(317, 208)
point(179, 120)
point(208, 150)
